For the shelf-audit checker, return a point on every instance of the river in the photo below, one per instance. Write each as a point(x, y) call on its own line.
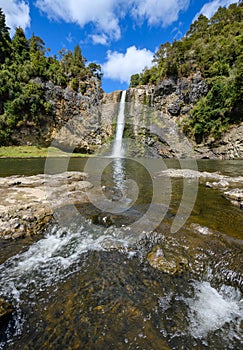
point(94, 284)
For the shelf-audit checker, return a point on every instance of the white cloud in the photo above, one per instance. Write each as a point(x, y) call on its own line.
point(81, 12)
point(157, 12)
point(106, 14)
point(17, 14)
point(121, 66)
point(100, 39)
point(210, 8)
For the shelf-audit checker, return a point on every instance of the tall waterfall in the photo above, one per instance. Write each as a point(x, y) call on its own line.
point(117, 147)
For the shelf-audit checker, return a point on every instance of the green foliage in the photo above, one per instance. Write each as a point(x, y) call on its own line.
point(20, 46)
point(214, 47)
point(24, 64)
point(135, 80)
point(4, 39)
point(95, 70)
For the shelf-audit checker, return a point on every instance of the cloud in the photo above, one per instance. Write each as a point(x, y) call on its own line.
point(106, 15)
point(210, 8)
point(121, 66)
point(100, 39)
point(17, 14)
point(159, 11)
point(82, 12)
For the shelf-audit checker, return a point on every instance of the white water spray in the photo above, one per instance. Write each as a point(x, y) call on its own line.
point(117, 148)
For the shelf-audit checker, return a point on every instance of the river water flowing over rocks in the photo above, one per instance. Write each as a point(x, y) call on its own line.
point(102, 281)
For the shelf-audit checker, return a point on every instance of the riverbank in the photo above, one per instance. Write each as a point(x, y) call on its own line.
point(28, 203)
point(35, 152)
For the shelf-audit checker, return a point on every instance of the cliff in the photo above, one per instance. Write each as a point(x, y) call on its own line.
point(156, 116)
point(85, 121)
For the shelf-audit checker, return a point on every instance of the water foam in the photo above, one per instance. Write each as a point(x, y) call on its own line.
point(211, 310)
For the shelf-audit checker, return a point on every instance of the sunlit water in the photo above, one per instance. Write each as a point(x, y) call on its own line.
point(90, 286)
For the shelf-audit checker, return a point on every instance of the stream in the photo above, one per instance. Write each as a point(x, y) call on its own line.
point(96, 283)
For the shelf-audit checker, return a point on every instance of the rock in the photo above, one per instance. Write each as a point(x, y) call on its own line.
point(222, 180)
point(171, 265)
point(166, 87)
point(219, 184)
point(77, 121)
point(175, 100)
point(6, 311)
point(201, 229)
point(28, 203)
point(174, 108)
point(198, 88)
point(235, 196)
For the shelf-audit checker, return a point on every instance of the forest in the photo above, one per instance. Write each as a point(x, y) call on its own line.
point(215, 48)
point(24, 60)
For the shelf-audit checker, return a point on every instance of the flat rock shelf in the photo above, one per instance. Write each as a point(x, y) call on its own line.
point(28, 202)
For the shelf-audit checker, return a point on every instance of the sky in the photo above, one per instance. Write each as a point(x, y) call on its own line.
point(120, 35)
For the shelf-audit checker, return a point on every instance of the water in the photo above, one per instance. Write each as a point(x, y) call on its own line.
point(117, 148)
point(91, 286)
point(212, 309)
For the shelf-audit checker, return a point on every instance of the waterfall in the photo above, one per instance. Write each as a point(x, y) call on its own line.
point(117, 147)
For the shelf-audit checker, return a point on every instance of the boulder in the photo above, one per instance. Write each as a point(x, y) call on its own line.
point(168, 263)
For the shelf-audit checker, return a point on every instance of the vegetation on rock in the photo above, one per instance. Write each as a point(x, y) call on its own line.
point(213, 47)
point(24, 65)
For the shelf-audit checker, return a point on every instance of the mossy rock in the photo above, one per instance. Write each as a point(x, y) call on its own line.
point(168, 263)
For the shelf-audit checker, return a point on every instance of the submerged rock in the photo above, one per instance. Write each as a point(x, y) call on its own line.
point(235, 196)
point(223, 180)
point(6, 311)
point(170, 264)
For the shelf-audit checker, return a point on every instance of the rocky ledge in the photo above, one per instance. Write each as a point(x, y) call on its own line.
point(28, 203)
point(232, 187)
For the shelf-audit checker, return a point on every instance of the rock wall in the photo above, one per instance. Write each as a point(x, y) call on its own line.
point(156, 111)
point(78, 121)
point(85, 121)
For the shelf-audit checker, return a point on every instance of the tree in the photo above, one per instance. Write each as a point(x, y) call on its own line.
point(134, 80)
point(5, 40)
point(95, 70)
point(20, 46)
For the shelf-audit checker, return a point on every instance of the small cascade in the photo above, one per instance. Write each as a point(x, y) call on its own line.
point(117, 147)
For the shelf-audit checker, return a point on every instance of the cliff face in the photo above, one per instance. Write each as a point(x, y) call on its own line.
point(156, 113)
point(84, 122)
point(78, 122)
point(74, 123)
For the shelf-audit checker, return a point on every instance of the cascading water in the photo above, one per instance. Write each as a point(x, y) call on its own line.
point(117, 147)
point(90, 286)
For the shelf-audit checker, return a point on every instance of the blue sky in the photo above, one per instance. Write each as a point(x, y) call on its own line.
point(120, 35)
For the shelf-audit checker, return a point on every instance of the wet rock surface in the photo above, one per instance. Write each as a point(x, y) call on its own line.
point(28, 203)
point(235, 196)
point(170, 263)
point(6, 311)
point(230, 187)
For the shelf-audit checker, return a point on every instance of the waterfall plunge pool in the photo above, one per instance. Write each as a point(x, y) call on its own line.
point(92, 286)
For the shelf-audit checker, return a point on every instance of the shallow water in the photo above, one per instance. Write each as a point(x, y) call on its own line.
point(91, 286)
